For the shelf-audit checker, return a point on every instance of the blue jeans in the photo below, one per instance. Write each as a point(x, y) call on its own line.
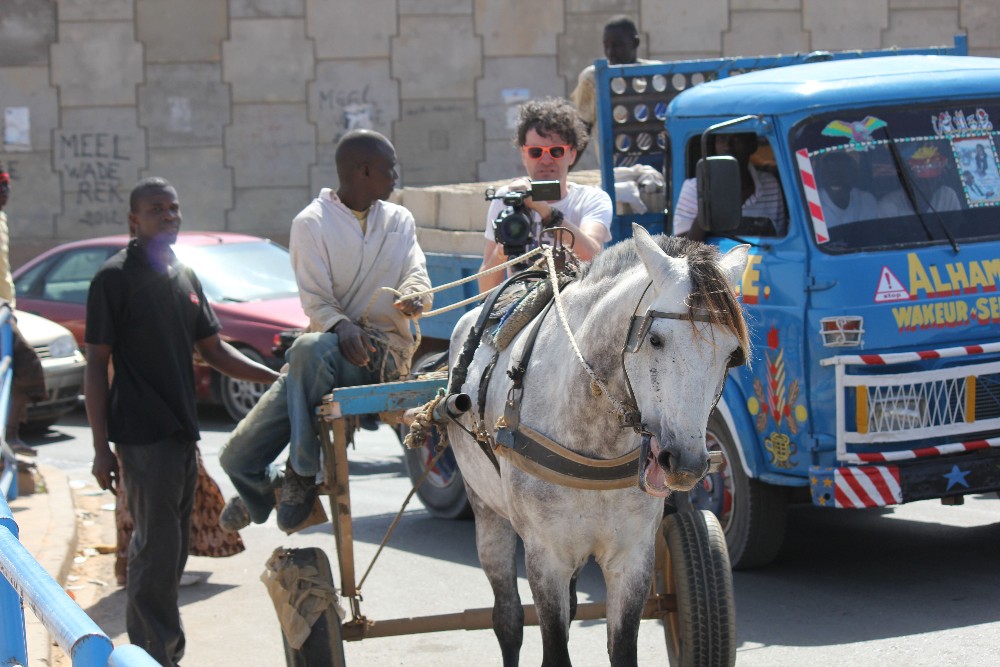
point(286, 415)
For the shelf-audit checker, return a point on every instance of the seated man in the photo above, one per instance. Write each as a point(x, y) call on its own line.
point(550, 134)
point(927, 167)
point(344, 246)
point(761, 194)
point(841, 199)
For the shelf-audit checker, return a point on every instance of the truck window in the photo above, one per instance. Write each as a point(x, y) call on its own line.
point(900, 177)
point(764, 212)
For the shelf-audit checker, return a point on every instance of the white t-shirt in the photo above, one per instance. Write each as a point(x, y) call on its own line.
point(583, 205)
point(897, 204)
point(861, 206)
point(765, 202)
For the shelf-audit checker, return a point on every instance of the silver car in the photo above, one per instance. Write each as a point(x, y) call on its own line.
point(63, 364)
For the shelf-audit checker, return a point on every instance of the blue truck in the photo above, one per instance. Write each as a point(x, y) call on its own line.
point(875, 310)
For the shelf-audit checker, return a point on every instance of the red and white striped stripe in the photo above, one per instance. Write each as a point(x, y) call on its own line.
point(869, 486)
point(907, 357)
point(923, 452)
point(812, 196)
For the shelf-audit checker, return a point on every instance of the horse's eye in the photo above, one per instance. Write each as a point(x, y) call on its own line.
point(655, 341)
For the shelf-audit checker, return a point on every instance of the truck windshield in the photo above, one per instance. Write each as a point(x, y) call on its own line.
point(900, 177)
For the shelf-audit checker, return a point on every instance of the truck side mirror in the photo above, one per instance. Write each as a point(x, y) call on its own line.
point(719, 190)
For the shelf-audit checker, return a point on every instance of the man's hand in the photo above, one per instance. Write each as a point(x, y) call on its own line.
point(105, 470)
point(410, 306)
point(354, 342)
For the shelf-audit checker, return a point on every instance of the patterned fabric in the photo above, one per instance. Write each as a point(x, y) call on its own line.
point(207, 537)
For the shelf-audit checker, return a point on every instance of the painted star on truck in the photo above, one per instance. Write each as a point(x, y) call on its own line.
point(777, 402)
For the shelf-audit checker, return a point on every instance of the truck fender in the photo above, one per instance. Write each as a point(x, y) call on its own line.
point(732, 408)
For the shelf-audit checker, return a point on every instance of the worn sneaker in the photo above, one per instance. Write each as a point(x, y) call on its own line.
point(235, 516)
point(22, 449)
point(298, 494)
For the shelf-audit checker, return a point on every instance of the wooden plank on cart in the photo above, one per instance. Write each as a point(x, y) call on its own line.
point(376, 398)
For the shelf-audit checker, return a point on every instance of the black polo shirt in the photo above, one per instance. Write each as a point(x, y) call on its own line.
point(151, 317)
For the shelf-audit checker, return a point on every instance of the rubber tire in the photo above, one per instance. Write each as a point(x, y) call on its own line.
point(444, 500)
point(702, 632)
point(238, 396)
point(755, 523)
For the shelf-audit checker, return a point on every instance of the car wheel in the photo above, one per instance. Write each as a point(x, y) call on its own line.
point(238, 396)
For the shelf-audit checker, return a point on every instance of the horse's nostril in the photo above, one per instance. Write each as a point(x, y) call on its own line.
point(664, 459)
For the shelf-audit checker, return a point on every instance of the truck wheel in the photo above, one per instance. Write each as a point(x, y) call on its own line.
point(238, 396)
point(443, 492)
point(751, 513)
point(702, 630)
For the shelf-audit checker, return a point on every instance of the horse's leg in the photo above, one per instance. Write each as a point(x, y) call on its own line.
point(627, 590)
point(496, 542)
point(551, 587)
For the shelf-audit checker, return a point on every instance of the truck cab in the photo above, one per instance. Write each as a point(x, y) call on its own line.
point(872, 294)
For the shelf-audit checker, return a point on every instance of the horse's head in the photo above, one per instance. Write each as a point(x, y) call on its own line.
point(689, 330)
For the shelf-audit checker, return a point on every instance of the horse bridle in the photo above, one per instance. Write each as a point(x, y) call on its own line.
point(637, 331)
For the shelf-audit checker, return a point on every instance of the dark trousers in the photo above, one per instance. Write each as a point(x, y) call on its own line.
point(159, 482)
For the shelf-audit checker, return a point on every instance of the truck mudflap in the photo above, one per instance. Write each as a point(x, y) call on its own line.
point(905, 481)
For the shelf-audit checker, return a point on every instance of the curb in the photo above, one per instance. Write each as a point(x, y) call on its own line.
point(53, 545)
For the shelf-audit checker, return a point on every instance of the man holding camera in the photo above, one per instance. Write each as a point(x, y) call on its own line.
point(549, 135)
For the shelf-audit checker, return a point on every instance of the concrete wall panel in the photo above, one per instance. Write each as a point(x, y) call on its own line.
point(184, 31)
point(519, 27)
point(323, 174)
point(184, 105)
point(922, 27)
point(764, 5)
point(849, 24)
point(982, 22)
point(502, 162)
point(628, 7)
point(764, 33)
point(96, 63)
point(29, 87)
point(100, 153)
point(27, 28)
point(506, 83)
point(251, 9)
point(438, 141)
point(267, 212)
point(95, 10)
point(353, 94)
point(679, 26)
point(923, 4)
point(439, 7)
point(422, 72)
point(268, 60)
point(270, 145)
point(204, 184)
point(346, 31)
point(34, 203)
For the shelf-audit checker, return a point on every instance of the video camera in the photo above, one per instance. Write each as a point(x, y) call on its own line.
point(512, 227)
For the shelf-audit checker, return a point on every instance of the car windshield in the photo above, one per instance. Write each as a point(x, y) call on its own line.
point(900, 177)
point(236, 272)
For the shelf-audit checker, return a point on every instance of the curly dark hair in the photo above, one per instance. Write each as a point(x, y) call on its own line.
point(553, 115)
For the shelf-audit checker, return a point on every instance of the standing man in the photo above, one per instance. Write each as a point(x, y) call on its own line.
point(345, 246)
point(549, 135)
point(29, 378)
point(621, 47)
point(145, 313)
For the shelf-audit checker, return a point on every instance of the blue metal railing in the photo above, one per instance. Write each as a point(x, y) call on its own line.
point(25, 581)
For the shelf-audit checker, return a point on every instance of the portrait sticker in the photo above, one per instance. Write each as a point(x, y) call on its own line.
point(977, 165)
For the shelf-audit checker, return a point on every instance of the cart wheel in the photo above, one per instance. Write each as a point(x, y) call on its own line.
point(324, 647)
point(702, 630)
point(443, 492)
point(752, 513)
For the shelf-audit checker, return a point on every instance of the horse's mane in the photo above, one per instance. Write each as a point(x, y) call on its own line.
point(710, 292)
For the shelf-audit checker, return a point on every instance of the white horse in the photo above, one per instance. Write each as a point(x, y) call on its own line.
point(676, 364)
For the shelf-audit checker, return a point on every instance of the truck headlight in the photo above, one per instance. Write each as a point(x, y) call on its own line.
point(900, 413)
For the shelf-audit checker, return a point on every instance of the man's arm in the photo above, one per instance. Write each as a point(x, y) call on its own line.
point(313, 276)
point(105, 467)
point(588, 236)
point(492, 256)
point(226, 359)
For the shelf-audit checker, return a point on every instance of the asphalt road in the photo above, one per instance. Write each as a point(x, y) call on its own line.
point(915, 585)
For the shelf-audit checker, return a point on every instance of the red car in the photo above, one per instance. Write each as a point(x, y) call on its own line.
point(248, 280)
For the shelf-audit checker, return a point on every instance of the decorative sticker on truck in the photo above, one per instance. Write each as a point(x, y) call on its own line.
point(967, 279)
point(977, 162)
point(779, 402)
point(859, 131)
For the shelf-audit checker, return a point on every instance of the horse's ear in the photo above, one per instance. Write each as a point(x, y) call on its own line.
point(733, 263)
point(661, 267)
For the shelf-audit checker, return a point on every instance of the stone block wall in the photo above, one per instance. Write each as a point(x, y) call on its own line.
point(240, 102)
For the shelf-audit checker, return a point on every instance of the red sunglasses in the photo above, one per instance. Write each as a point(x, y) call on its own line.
point(536, 152)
